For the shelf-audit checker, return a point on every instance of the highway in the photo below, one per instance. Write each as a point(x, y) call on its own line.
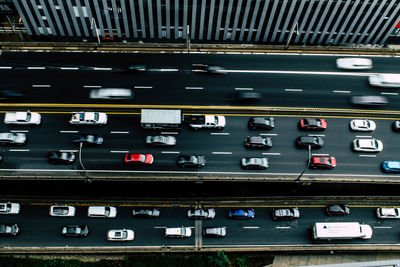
point(38, 229)
point(283, 80)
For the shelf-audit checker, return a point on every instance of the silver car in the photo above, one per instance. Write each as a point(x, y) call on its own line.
point(388, 80)
point(369, 100)
point(111, 93)
point(12, 138)
point(351, 63)
point(214, 231)
point(161, 140)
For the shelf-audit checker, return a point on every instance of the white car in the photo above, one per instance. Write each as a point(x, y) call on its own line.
point(9, 208)
point(111, 93)
point(22, 118)
point(388, 80)
point(354, 63)
point(367, 145)
point(179, 232)
point(88, 118)
point(62, 211)
point(362, 125)
point(388, 213)
point(120, 235)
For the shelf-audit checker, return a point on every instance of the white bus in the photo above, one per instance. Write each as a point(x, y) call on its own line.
point(341, 230)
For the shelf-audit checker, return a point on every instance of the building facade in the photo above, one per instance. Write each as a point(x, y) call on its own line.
point(300, 22)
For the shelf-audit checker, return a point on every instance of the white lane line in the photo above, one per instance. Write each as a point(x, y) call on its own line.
point(41, 85)
point(383, 227)
point(365, 74)
point(341, 92)
point(68, 131)
point(251, 227)
point(170, 152)
point(68, 150)
point(69, 68)
point(169, 132)
point(142, 87)
point(36, 68)
point(19, 131)
point(282, 227)
point(294, 90)
point(221, 153)
point(320, 154)
point(193, 88)
point(165, 69)
point(271, 154)
point(18, 150)
point(244, 89)
point(119, 151)
point(92, 86)
point(219, 133)
point(119, 132)
point(5, 68)
point(367, 156)
point(363, 136)
point(385, 93)
point(160, 227)
point(102, 68)
point(320, 135)
point(265, 134)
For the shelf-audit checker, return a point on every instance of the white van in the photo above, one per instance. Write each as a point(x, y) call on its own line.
point(388, 80)
point(178, 232)
point(111, 93)
point(102, 212)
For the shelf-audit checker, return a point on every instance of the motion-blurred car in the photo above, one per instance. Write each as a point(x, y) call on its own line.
point(138, 159)
point(367, 145)
point(12, 95)
point(75, 230)
point(261, 123)
point(313, 141)
point(246, 97)
point(191, 161)
point(9, 208)
point(396, 126)
point(337, 209)
point(160, 141)
point(362, 125)
point(120, 235)
point(313, 124)
point(214, 231)
point(88, 139)
point(350, 63)
point(369, 100)
point(388, 80)
point(388, 213)
point(111, 93)
point(254, 163)
point(258, 142)
point(60, 157)
point(241, 214)
point(12, 139)
point(391, 166)
point(22, 118)
point(201, 214)
point(146, 213)
point(322, 162)
point(62, 211)
point(204, 68)
point(285, 214)
point(9, 229)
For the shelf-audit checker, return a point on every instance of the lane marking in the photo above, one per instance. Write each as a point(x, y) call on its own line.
point(165, 69)
point(41, 85)
point(36, 68)
point(251, 227)
point(271, 154)
point(221, 153)
point(320, 154)
point(119, 151)
point(219, 133)
point(169, 132)
point(244, 89)
point(365, 74)
point(18, 150)
point(68, 131)
point(383, 227)
point(320, 135)
point(170, 152)
point(5, 68)
point(96, 68)
point(142, 87)
point(342, 92)
point(385, 93)
point(294, 90)
point(160, 227)
point(68, 150)
point(92, 86)
point(282, 227)
point(368, 156)
point(265, 134)
point(363, 136)
point(194, 88)
point(69, 68)
point(19, 131)
point(119, 132)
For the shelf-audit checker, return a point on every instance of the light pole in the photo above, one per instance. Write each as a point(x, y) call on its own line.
point(93, 23)
point(308, 164)
point(296, 25)
point(80, 162)
point(188, 38)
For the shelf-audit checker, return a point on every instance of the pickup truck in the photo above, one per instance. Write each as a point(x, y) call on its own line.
point(206, 121)
point(22, 118)
point(88, 118)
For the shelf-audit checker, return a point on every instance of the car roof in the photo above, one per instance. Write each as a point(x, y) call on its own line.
point(367, 143)
point(393, 164)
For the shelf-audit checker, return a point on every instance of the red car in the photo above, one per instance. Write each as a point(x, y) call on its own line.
point(145, 159)
point(322, 162)
point(313, 124)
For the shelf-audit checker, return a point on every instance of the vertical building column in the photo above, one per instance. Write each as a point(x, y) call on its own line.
point(108, 19)
point(193, 25)
point(253, 21)
point(278, 22)
point(185, 17)
point(176, 17)
point(328, 23)
point(57, 18)
point(133, 18)
point(271, 19)
point(159, 19)
point(353, 24)
point(262, 20)
point(304, 20)
point(220, 9)
point(168, 18)
point(202, 19)
point(287, 20)
point(82, 17)
point(99, 22)
point(116, 18)
point(228, 19)
point(389, 21)
point(73, 18)
point(338, 20)
point(378, 25)
point(48, 18)
point(91, 18)
point(349, 16)
point(39, 18)
point(363, 21)
point(210, 19)
point(236, 19)
point(312, 22)
point(125, 18)
point(321, 20)
point(142, 20)
point(151, 23)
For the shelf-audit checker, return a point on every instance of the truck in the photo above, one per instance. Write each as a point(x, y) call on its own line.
point(341, 230)
point(161, 119)
point(197, 122)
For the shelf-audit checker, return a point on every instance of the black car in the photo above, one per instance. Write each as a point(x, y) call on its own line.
point(194, 161)
point(212, 69)
point(146, 213)
point(12, 95)
point(88, 139)
point(285, 214)
point(313, 141)
point(60, 157)
point(254, 163)
point(257, 142)
point(9, 229)
point(396, 126)
point(131, 68)
point(337, 209)
point(75, 230)
point(262, 123)
point(246, 97)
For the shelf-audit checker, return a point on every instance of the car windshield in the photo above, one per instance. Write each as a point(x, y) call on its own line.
point(96, 116)
point(64, 155)
point(90, 138)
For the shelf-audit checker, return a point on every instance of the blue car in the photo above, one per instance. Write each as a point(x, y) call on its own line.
point(241, 214)
point(391, 166)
